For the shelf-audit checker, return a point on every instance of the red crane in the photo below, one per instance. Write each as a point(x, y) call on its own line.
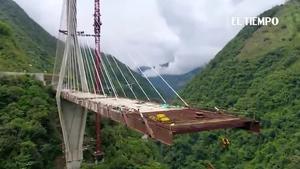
point(97, 31)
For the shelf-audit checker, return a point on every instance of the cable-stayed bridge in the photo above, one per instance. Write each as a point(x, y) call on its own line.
point(87, 80)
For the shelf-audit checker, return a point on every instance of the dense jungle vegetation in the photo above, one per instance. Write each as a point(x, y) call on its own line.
point(30, 135)
point(28, 130)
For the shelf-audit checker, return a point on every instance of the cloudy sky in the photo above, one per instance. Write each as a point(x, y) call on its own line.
point(185, 33)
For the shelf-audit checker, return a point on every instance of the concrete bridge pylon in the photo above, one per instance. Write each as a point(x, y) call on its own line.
point(73, 121)
point(72, 116)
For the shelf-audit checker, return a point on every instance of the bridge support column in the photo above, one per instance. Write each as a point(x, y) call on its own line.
point(73, 121)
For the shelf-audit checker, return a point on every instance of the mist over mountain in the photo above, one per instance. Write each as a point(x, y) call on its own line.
point(177, 82)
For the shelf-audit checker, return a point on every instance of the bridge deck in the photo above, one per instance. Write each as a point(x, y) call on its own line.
point(139, 116)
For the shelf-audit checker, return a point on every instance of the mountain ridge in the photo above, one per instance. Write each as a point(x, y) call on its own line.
point(28, 47)
point(177, 82)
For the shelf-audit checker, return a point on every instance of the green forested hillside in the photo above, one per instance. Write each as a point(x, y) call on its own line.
point(24, 45)
point(28, 127)
point(257, 75)
point(30, 135)
point(123, 148)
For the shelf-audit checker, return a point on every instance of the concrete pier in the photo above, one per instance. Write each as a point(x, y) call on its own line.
point(73, 121)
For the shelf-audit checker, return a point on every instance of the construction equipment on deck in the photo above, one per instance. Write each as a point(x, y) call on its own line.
point(140, 117)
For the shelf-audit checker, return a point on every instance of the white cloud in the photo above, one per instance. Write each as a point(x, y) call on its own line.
point(46, 12)
point(204, 27)
point(186, 33)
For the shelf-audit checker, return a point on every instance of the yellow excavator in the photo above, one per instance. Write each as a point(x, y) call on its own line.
point(161, 118)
